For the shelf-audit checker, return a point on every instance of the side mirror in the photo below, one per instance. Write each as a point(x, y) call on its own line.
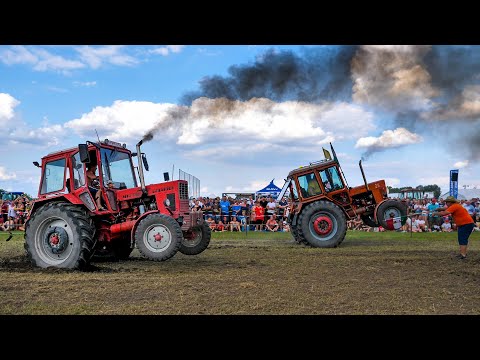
point(145, 162)
point(84, 155)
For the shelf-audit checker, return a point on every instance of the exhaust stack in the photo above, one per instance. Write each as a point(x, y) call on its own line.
point(140, 167)
point(363, 174)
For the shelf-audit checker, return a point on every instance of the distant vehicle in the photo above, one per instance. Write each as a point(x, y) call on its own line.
point(411, 193)
point(235, 195)
point(11, 195)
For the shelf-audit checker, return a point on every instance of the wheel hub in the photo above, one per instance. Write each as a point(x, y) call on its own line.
point(323, 225)
point(56, 239)
point(158, 237)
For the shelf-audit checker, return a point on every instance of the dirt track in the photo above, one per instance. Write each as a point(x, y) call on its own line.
point(368, 274)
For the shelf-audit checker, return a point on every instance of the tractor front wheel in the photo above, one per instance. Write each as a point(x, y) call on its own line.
point(158, 237)
point(322, 224)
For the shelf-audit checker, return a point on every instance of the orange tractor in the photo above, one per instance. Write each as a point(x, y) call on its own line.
point(322, 202)
point(66, 226)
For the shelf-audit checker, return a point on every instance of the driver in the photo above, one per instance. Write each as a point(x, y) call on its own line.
point(94, 185)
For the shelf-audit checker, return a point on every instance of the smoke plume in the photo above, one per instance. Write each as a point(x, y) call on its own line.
point(427, 89)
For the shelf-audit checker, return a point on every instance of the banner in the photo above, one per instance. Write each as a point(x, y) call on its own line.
point(454, 183)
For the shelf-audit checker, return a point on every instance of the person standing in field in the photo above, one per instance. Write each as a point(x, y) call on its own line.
point(462, 218)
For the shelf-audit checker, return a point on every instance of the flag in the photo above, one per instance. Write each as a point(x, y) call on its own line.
point(326, 154)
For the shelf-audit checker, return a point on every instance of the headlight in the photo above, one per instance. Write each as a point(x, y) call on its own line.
point(166, 202)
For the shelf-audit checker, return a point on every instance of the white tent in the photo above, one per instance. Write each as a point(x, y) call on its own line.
point(464, 194)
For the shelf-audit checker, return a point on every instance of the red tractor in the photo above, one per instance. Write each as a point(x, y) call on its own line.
point(322, 203)
point(66, 226)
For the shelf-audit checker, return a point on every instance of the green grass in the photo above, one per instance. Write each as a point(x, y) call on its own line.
point(261, 273)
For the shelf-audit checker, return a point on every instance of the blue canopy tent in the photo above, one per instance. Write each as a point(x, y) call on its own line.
point(269, 190)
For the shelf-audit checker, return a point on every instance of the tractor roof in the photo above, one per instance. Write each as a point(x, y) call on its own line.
point(318, 164)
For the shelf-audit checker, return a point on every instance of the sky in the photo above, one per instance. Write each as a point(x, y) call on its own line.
point(238, 116)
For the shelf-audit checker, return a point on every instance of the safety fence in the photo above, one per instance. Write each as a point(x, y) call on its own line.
point(193, 183)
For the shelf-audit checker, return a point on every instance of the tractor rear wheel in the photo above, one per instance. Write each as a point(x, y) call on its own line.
point(322, 224)
point(60, 235)
point(367, 220)
point(158, 237)
point(196, 239)
point(391, 209)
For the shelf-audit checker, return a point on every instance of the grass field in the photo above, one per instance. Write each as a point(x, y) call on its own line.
point(264, 273)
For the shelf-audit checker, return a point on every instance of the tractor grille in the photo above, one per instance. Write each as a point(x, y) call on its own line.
point(183, 189)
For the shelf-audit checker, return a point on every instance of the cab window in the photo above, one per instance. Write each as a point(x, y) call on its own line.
point(331, 179)
point(309, 185)
point(53, 176)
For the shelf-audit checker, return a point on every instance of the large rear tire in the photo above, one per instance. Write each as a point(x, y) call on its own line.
point(196, 240)
point(158, 237)
point(368, 220)
point(322, 224)
point(389, 209)
point(60, 235)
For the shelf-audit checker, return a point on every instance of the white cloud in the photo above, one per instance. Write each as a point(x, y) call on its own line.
point(260, 121)
point(5, 176)
point(18, 55)
point(47, 61)
point(7, 106)
point(389, 139)
point(41, 59)
point(44, 136)
point(461, 164)
point(166, 50)
point(393, 182)
point(85, 83)
point(266, 120)
point(124, 121)
point(175, 48)
point(95, 57)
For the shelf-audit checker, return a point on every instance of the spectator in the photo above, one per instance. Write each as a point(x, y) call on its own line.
point(234, 224)
point(259, 212)
point(271, 224)
point(271, 206)
point(433, 221)
point(211, 223)
point(470, 208)
point(282, 205)
point(446, 226)
point(8, 225)
point(463, 220)
point(225, 208)
point(220, 226)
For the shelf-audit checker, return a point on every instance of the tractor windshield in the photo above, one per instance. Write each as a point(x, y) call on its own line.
point(116, 166)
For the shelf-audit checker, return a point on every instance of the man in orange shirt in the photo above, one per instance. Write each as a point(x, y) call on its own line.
point(463, 220)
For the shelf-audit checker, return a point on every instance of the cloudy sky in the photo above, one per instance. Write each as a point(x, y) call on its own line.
point(237, 117)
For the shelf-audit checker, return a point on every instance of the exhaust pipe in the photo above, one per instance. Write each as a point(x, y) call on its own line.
point(140, 167)
point(363, 174)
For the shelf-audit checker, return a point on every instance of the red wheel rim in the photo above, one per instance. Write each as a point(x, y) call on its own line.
point(323, 225)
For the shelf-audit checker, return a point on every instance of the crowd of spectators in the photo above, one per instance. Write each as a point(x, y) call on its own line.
point(420, 218)
point(243, 214)
point(14, 213)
